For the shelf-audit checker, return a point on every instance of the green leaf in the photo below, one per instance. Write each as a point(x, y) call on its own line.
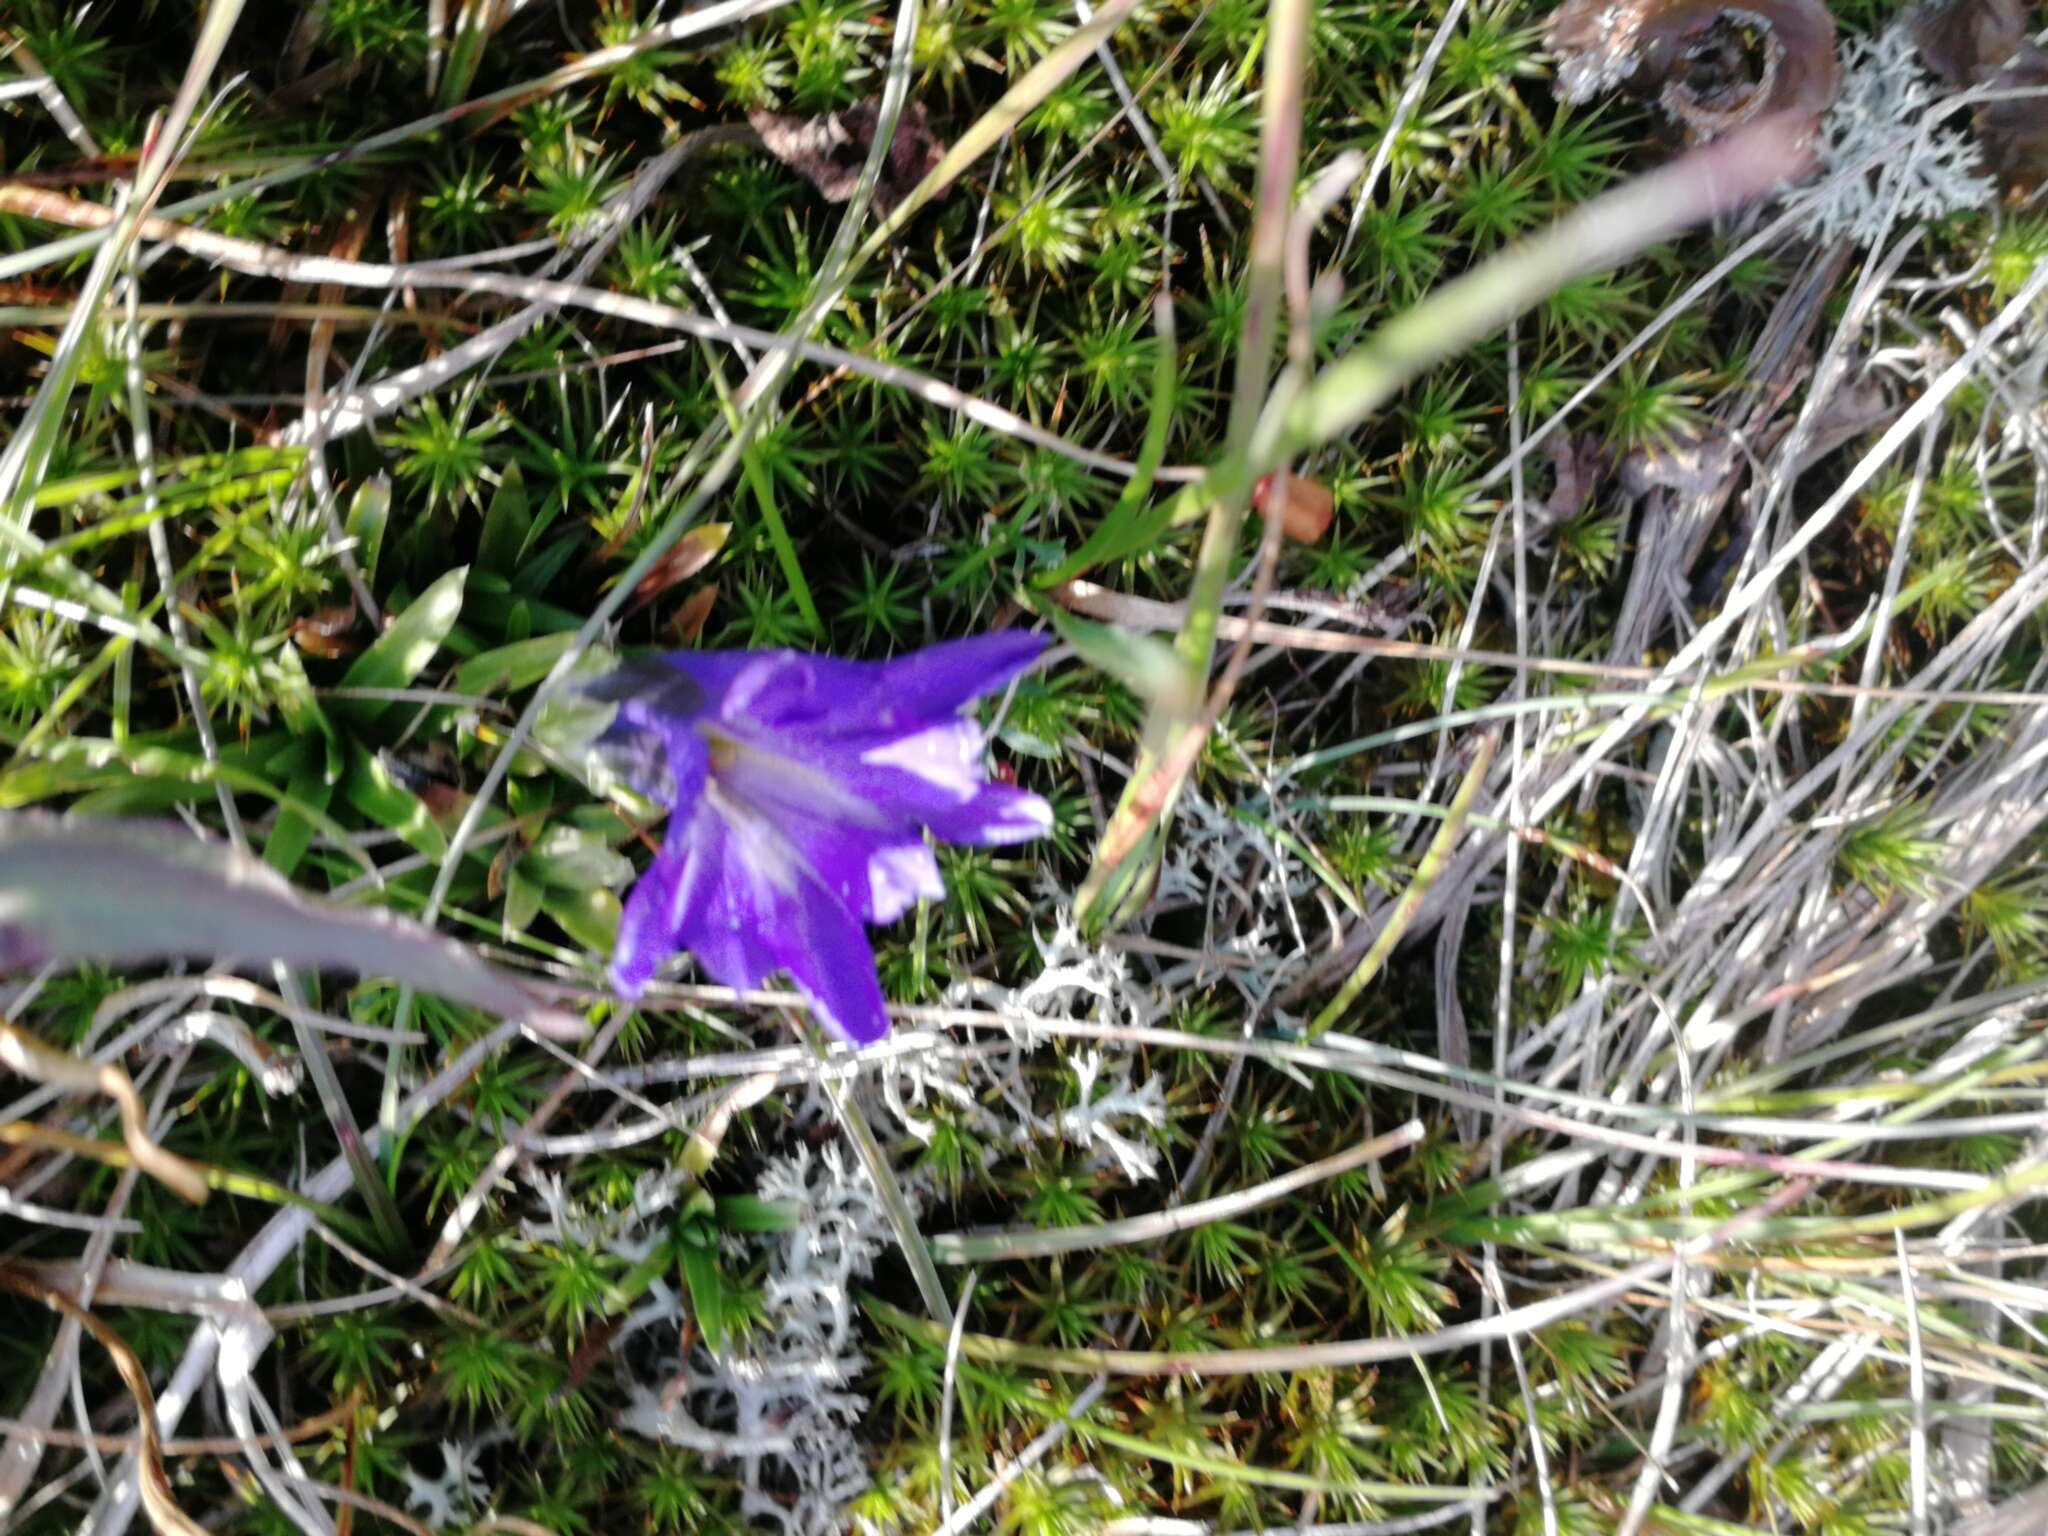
point(465, 52)
point(403, 651)
point(778, 537)
point(123, 794)
point(205, 471)
point(1125, 533)
point(1134, 522)
point(122, 772)
point(296, 704)
point(511, 667)
point(1142, 663)
point(591, 917)
point(572, 720)
point(371, 789)
point(1028, 744)
point(532, 797)
point(292, 834)
point(522, 902)
point(708, 1303)
point(750, 1213)
point(516, 618)
point(1227, 1470)
point(571, 859)
point(368, 516)
point(506, 525)
point(1113, 897)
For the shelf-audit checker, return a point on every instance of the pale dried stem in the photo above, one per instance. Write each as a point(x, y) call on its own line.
point(23, 1053)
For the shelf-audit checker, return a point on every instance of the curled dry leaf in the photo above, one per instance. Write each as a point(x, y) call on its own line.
point(1690, 465)
point(326, 633)
point(830, 150)
point(277, 1074)
point(688, 624)
point(1305, 511)
point(129, 892)
point(1579, 460)
point(22, 1053)
point(1986, 43)
point(694, 550)
point(153, 1483)
point(1711, 66)
point(1859, 407)
point(701, 1151)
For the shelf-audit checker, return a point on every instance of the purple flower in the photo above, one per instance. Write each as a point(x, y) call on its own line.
point(800, 789)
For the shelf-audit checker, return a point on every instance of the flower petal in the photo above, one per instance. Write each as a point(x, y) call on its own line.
point(887, 784)
point(661, 755)
point(870, 856)
point(734, 891)
point(701, 894)
point(780, 905)
point(879, 874)
point(707, 676)
point(646, 685)
point(812, 821)
point(998, 815)
point(784, 691)
point(884, 792)
point(647, 927)
point(945, 757)
point(941, 679)
point(826, 952)
point(900, 876)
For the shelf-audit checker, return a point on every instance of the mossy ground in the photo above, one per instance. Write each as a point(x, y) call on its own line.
point(1733, 869)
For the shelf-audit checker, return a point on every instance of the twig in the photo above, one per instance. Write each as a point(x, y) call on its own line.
point(23, 1053)
point(154, 1485)
point(980, 1247)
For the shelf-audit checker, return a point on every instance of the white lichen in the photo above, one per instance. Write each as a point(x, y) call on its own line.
point(778, 1404)
point(458, 1494)
point(1886, 161)
point(1092, 1122)
point(778, 1407)
point(1250, 886)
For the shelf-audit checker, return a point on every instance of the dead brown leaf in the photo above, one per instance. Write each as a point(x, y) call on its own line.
point(1689, 466)
point(1306, 510)
point(1986, 43)
point(690, 618)
point(324, 633)
point(830, 150)
point(1857, 408)
point(1711, 66)
point(693, 551)
point(1579, 462)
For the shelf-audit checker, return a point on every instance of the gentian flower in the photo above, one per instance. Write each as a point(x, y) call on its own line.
point(800, 789)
